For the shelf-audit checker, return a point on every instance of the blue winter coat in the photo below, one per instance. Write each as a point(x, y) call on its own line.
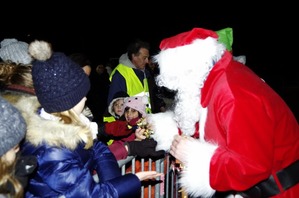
point(65, 167)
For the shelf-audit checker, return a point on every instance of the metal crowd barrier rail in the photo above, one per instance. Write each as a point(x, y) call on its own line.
point(167, 188)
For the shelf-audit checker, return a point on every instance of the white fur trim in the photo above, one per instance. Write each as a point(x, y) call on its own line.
point(197, 59)
point(110, 107)
point(164, 127)
point(195, 179)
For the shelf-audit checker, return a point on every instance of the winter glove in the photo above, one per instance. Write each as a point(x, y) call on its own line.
point(145, 148)
point(25, 166)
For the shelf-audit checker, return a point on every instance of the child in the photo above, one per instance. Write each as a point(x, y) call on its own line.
point(122, 129)
point(115, 109)
point(13, 169)
point(64, 146)
point(125, 145)
point(136, 144)
point(132, 110)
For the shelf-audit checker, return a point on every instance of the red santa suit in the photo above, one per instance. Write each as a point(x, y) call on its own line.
point(247, 133)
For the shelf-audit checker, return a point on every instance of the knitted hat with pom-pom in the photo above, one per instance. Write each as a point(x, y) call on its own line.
point(12, 126)
point(59, 82)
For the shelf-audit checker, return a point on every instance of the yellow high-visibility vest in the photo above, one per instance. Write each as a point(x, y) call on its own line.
point(133, 84)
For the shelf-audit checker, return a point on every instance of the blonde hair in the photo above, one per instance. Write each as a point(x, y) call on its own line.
point(70, 117)
point(17, 74)
point(7, 179)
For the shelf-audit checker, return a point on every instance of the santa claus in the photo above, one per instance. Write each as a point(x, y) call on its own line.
point(229, 129)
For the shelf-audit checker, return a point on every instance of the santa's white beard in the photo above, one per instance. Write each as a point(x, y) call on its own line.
point(187, 110)
point(184, 70)
point(187, 85)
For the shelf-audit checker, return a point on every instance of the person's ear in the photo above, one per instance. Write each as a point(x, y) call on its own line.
point(87, 69)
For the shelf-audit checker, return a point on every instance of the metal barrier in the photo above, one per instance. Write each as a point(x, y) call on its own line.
point(167, 188)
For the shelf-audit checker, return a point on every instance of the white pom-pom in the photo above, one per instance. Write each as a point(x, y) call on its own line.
point(40, 50)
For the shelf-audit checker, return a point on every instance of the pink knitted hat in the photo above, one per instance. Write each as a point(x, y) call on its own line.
point(136, 102)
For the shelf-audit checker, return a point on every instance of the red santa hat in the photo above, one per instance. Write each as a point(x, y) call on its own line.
point(196, 49)
point(187, 38)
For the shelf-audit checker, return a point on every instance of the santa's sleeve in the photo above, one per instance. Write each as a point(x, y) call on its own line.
point(164, 129)
point(195, 176)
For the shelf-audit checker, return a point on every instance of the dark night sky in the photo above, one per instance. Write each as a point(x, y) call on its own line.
point(103, 29)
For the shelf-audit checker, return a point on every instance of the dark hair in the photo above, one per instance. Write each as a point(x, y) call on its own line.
point(123, 118)
point(81, 59)
point(135, 46)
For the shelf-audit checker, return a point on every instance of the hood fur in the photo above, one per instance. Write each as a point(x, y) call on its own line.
point(53, 133)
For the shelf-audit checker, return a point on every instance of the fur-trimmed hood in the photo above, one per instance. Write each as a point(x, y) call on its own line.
point(53, 133)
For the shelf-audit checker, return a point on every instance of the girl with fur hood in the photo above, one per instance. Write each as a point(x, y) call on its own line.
point(59, 135)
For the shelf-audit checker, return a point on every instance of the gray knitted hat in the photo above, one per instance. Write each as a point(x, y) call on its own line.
point(59, 82)
point(15, 51)
point(12, 126)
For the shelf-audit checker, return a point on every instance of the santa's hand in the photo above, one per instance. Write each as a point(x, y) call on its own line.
point(178, 147)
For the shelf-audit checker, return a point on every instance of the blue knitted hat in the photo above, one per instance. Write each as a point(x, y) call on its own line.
point(59, 82)
point(15, 51)
point(12, 126)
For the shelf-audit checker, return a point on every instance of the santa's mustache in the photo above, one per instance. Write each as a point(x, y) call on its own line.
point(170, 83)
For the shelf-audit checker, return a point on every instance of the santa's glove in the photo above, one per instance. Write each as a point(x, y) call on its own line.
point(144, 149)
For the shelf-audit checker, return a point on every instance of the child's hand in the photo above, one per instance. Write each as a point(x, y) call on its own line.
point(145, 175)
point(139, 133)
point(140, 124)
point(143, 124)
